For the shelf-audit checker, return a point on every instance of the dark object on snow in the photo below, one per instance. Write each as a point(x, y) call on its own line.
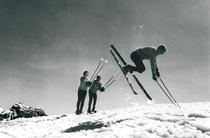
point(20, 110)
point(85, 126)
point(5, 114)
point(93, 125)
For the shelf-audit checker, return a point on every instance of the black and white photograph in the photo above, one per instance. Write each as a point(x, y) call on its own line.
point(104, 69)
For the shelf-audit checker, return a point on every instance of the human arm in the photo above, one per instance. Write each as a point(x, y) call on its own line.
point(85, 82)
point(101, 89)
point(157, 73)
point(154, 68)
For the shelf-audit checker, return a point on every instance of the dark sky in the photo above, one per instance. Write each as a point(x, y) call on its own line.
point(47, 44)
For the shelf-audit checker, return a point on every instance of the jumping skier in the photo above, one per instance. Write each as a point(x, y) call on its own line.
point(146, 53)
point(82, 91)
point(96, 85)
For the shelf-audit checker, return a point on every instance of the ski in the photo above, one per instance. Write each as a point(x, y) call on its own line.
point(120, 66)
point(135, 78)
point(141, 86)
point(98, 69)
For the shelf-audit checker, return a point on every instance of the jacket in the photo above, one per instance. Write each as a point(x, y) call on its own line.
point(83, 86)
point(148, 53)
point(95, 86)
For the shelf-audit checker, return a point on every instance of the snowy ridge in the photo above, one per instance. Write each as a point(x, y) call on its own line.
point(146, 121)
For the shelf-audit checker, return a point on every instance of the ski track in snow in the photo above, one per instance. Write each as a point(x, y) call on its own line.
point(146, 121)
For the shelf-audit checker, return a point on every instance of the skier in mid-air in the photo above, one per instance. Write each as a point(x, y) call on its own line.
point(82, 92)
point(146, 53)
point(96, 85)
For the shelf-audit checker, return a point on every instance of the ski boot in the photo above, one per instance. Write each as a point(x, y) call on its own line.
point(127, 69)
point(77, 112)
point(94, 111)
point(89, 112)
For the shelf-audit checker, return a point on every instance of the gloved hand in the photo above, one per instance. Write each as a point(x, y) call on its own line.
point(102, 89)
point(154, 77)
point(157, 73)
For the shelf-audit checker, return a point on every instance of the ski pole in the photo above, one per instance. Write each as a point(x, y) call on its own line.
point(100, 62)
point(169, 92)
point(98, 72)
point(165, 92)
point(115, 75)
point(109, 80)
point(110, 83)
point(112, 79)
point(106, 61)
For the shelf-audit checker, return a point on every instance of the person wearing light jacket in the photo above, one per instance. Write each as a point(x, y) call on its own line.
point(82, 92)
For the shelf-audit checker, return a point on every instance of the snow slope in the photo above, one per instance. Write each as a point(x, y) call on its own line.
point(146, 121)
point(1, 109)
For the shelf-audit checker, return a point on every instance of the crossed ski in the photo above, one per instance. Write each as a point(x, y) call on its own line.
point(116, 55)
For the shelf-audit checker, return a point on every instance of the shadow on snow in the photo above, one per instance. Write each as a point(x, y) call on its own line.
point(86, 126)
point(91, 125)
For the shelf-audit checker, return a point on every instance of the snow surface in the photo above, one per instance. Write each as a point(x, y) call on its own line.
point(145, 121)
point(1, 109)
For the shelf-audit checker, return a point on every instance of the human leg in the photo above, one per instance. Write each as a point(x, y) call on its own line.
point(83, 95)
point(138, 62)
point(90, 102)
point(79, 101)
point(94, 102)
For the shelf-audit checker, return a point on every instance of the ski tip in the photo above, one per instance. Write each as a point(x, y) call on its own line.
point(150, 102)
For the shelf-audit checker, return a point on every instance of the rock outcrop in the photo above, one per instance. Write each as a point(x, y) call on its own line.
point(19, 110)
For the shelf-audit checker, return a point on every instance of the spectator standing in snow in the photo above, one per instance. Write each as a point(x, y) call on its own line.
point(96, 85)
point(82, 91)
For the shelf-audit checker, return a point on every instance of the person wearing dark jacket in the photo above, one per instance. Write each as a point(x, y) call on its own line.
point(82, 92)
point(146, 53)
point(96, 85)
